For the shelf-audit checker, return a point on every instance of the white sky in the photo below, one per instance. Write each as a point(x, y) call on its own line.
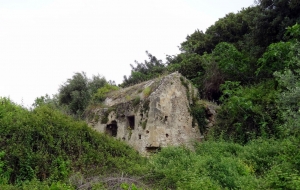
point(43, 42)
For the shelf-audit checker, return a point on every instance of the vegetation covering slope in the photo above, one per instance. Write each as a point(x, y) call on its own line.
point(44, 144)
point(44, 149)
point(248, 62)
point(261, 164)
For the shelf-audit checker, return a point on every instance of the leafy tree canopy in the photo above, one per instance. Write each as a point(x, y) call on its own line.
point(77, 92)
point(144, 71)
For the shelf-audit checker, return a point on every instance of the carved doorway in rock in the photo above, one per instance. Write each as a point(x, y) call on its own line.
point(131, 122)
point(112, 129)
point(153, 149)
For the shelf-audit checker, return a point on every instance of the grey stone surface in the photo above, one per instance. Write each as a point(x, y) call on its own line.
point(148, 121)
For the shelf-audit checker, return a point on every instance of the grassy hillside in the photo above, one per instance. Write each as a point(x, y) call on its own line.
point(248, 62)
point(45, 149)
point(44, 144)
point(261, 164)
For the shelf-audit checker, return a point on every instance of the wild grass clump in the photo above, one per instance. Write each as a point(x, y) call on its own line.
point(144, 124)
point(102, 92)
point(147, 91)
point(136, 101)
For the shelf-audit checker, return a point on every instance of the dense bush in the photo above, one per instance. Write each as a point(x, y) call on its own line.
point(180, 168)
point(45, 144)
point(189, 65)
point(144, 71)
point(76, 93)
point(199, 115)
point(102, 92)
point(246, 62)
point(231, 62)
point(261, 164)
point(288, 99)
point(276, 58)
point(248, 112)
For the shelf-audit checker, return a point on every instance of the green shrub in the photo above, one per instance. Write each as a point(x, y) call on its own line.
point(4, 172)
point(136, 101)
point(233, 65)
point(144, 124)
point(288, 98)
point(199, 114)
point(248, 112)
point(282, 177)
point(126, 186)
point(143, 71)
point(260, 164)
point(46, 144)
point(102, 92)
point(36, 184)
point(180, 168)
point(146, 106)
point(104, 118)
point(147, 91)
point(127, 97)
point(76, 93)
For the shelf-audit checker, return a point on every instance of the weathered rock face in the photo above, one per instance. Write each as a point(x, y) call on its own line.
point(151, 114)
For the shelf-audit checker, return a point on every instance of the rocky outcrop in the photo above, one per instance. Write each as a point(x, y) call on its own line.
point(152, 114)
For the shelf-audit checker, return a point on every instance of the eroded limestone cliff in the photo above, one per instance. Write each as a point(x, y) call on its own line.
point(152, 114)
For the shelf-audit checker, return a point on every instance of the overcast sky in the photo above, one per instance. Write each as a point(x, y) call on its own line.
point(44, 42)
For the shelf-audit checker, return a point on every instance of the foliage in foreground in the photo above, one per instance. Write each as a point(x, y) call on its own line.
point(261, 164)
point(41, 148)
point(45, 144)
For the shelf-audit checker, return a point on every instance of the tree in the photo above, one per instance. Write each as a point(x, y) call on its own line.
point(97, 82)
point(248, 112)
point(46, 100)
point(280, 56)
point(275, 16)
point(289, 99)
point(232, 63)
point(232, 29)
point(76, 93)
point(276, 58)
point(190, 65)
point(289, 82)
point(144, 71)
point(195, 43)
